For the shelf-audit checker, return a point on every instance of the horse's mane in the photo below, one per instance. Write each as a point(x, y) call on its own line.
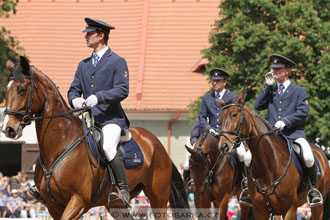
point(55, 87)
point(257, 115)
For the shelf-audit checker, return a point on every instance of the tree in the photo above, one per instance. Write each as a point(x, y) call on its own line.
point(248, 32)
point(9, 46)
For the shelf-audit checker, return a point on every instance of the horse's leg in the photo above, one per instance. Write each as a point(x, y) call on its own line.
point(317, 212)
point(74, 209)
point(223, 207)
point(291, 214)
point(245, 212)
point(260, 214)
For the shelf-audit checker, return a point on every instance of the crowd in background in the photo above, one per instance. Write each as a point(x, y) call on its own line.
point(17, 202)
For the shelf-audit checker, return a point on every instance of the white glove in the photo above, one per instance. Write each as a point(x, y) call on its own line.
point(78, 102)
point(91, 101)
point(212, 131)
point(269, 77)
point(280, 125)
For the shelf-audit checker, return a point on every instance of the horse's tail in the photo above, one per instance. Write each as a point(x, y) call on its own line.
point(178, 196)
point(326, 207)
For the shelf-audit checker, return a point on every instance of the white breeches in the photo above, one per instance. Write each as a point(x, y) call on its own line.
point(241, 152)
point(111, 138)
point(186, 163)
point(307, 153)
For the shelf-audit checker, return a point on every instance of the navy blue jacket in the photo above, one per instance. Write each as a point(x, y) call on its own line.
point(211, 110)
point(291, 108)
point(109, 82)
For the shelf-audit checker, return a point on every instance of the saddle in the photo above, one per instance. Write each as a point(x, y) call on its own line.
point(127, 146)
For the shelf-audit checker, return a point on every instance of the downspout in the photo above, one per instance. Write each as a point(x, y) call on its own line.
point(169, 131)
point(142, 55)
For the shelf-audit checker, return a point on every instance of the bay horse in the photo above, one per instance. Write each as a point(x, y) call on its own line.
point(74, 184)
point(215, 178)
point(275, 185)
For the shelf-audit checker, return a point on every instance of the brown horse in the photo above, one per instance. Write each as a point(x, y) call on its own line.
point(73, 183)
point(216, 179)
point(275, 185)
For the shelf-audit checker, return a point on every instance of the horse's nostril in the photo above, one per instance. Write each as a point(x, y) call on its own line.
point(10, 132)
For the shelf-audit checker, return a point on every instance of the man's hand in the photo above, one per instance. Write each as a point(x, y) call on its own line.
point(280, 125)
point(78, 102)
point(91, 101)
point(269, 77)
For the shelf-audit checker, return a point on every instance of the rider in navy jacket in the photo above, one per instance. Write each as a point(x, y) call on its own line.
point(102, 80)
point(211, 110)
point(287, 106)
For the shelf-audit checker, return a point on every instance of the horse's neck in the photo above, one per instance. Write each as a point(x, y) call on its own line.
point(56, 134)
point(267, 151)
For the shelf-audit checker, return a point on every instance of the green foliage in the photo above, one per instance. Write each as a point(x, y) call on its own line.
point(248, 32)
point(7, 6)
point(9, 47)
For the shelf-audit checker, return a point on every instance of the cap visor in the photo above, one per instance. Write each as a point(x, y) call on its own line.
point(89, 29)
point(218, 77)
point(277, 65)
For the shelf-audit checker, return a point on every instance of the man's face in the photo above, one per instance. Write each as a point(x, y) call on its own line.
point(93, 39)
point(219, 84)
point(281, 74)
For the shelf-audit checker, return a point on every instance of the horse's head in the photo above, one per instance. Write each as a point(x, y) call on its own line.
point(199, 164)
point(232, 122)
point(20, 94)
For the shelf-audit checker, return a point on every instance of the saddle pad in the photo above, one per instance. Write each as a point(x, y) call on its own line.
point(296, 161)
point(133, 154)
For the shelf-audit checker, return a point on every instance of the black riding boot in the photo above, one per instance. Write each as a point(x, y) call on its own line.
point(314, 197)
point(117, 165)
point(186, 175)
point(244, 197)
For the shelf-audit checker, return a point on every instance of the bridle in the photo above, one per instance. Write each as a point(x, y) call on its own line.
point(27, 116)
point(237, 134)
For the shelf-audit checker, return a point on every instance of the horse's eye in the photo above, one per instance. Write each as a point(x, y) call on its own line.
point(235, 115)
point(22, 90)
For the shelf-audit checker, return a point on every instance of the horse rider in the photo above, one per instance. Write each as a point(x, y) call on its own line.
point(211, 110)
point(287, 106)
point(102, 80)
point(196, 132)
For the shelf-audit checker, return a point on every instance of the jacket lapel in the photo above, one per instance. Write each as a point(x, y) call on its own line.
point(103, 59)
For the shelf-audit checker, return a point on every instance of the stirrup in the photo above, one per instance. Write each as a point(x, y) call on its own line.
point(117, 200)
point(309, 195)
point(190, 185)
point(245, 200)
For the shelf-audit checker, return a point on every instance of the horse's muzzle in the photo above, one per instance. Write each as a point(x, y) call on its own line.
point(225, 148)
point(12, 133)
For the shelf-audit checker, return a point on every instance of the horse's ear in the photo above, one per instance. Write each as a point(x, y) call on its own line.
point(190, 150)
point(241, 96)
point(221, 102)
point(10, 65)
point(25, 66)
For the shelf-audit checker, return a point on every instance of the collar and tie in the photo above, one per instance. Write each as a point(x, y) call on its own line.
point(281, 89)
point(95, 59)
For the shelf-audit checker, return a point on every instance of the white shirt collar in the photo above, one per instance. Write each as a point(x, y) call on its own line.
point(285, 84)
point(102, 52)
point(221, 93)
